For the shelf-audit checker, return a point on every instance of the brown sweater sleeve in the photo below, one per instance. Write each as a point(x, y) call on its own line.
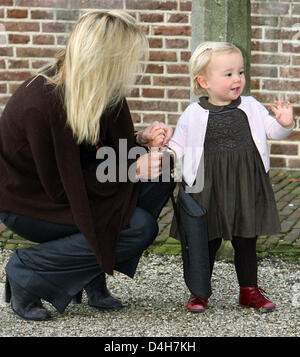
point(40, 140)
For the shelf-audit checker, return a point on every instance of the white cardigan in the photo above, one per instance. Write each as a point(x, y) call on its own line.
point(189, 135)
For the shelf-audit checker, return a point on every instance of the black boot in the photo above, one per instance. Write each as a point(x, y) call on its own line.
point(25, 305)
point(98, 295)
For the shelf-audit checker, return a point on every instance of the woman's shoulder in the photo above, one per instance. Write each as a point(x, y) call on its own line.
point(35, 92)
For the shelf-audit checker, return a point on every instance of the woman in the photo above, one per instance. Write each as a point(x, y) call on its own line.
point(49, 135)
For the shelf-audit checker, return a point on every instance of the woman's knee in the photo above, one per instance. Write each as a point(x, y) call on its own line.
point(147, 225)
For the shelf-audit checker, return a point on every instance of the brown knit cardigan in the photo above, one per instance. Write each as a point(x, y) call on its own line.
point(42, 174)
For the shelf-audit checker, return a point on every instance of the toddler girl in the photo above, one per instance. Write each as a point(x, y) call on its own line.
point(232, 130)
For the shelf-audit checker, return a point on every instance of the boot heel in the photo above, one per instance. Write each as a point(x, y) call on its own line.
point(77, 299)
point(7, 294)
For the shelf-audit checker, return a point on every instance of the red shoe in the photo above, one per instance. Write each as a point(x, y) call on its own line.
point(197, 304)
point(252, 296)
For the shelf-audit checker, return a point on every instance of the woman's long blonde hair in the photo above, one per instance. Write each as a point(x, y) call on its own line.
point(98, 66)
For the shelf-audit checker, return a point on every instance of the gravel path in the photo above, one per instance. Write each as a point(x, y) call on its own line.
point(155, 305)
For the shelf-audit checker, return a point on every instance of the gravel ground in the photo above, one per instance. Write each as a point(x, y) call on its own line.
point(155, 305)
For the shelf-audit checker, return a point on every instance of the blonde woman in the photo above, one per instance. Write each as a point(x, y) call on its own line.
point(50, 131)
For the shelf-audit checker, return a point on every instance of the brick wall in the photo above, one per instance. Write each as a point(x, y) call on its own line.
point(275, 67)
point(32, 30)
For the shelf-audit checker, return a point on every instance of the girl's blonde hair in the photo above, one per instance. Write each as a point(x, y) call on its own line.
point(201, 58)
point(98, 66)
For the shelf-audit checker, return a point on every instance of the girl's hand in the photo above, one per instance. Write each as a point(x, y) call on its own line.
point(283, 114)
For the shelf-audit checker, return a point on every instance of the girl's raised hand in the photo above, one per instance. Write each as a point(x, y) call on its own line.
point(283, 113)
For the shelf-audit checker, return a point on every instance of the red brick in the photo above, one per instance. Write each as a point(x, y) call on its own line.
point(21, 26)
point(255, 83)
point(136, 118)
point(173, 30)
point(185, 56)
point(284, 149)
point(36, 3)
point(171, 81)
point(18, 38)
point(6, 3)
point(173, 119)
point(155, 42)
point(178, 68)
point(17, 13)
point(296, 60)
point(186, 6)
point(6, 51)
point(154, 68)
point(290, 72)
point(177, 43)
point(153, 93)
point(256, 33)
point(149, 118)
point(14, 76)
point(281, 85)
point(154, 17)
point(264, 71)
point(2, 64)
point(12, 63)
point(39, 64)
point(41, 14)
point(294, 136)
point(280, 34)
point(135, 92)
point(264, 21)
point(264, 46)
point(179, 93)
point(54, 27)
point(178, 18)
point(3, 88)
point(270, 59)
point(294, 163)
point(151, 5)
point(43, 40)
point(143, 79)
point(277, 162)
point(263, 8)
point(163, 56)
point(36, 52)
point(152, 105)
point(288, 47)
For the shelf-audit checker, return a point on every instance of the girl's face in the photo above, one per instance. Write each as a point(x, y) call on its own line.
point(225, 78)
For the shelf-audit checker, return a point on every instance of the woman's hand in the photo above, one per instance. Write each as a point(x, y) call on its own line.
point(149, 166)
point(283, 114)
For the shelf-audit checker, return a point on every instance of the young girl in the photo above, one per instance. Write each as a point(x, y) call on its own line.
point(232, 131)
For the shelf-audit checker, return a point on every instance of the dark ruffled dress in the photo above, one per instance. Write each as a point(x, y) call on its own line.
point(237, 191)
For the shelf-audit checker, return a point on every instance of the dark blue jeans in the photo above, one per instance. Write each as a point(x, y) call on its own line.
point(63, 263)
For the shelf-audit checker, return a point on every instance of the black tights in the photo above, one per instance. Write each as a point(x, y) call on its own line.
point(245, 260)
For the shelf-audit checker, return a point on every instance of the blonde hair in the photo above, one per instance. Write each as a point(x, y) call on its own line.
point(201, 58)
point(98, 66)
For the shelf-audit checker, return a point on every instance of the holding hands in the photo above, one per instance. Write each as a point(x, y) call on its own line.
point(156, 136)
point(283, 113)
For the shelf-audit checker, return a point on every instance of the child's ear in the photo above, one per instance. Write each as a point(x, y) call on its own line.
point(202, 82)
